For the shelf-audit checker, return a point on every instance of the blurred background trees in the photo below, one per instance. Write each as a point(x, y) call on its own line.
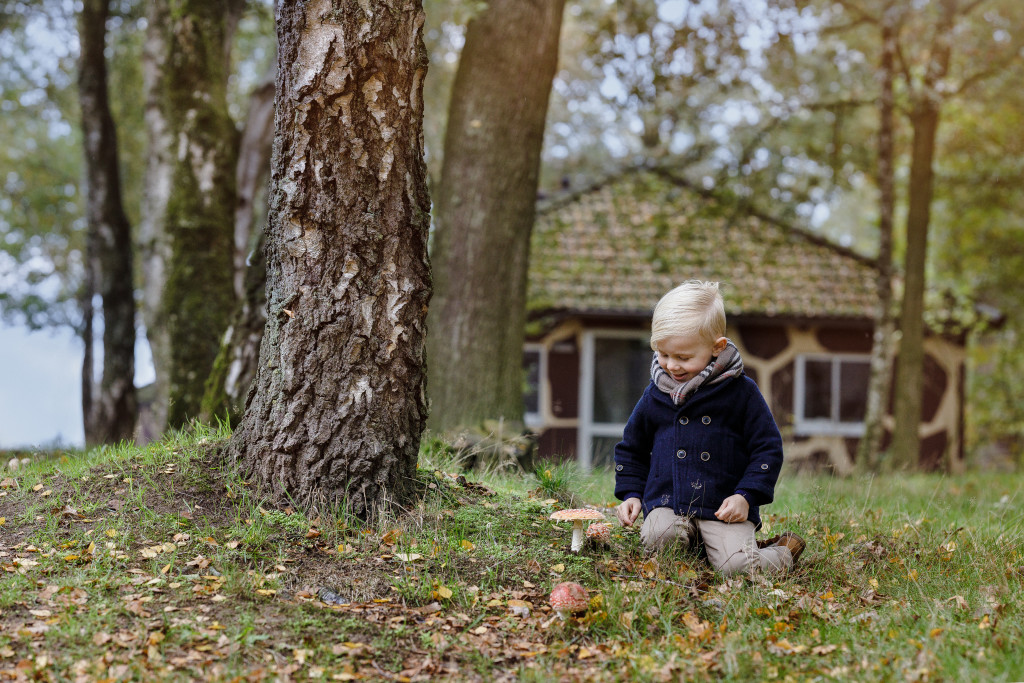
point(771, 105)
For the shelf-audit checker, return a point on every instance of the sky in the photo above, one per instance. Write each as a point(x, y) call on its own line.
point(41, 387)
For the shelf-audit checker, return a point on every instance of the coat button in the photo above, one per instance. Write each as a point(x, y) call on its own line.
point(684, 420)
point(618, 468)
point(705, 456)
point(764, 466)
point(681, 454)
point(706, 420)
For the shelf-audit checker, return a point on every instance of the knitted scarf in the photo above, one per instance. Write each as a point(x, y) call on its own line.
point(727, 364)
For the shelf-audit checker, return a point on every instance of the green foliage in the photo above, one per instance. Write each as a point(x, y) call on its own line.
point(41, 225)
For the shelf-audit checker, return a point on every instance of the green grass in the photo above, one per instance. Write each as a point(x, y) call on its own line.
point(160, 563)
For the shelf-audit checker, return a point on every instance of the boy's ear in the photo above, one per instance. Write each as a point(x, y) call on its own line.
point(719, 345)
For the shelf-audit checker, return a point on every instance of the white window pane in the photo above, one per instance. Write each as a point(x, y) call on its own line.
point(622, 370)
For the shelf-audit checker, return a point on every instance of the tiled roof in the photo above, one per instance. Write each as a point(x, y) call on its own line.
point(619, 247)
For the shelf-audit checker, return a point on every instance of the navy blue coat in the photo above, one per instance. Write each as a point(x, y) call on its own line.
point(722, 440)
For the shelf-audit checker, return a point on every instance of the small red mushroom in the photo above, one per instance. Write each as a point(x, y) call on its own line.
point(568, 598)
point(599, 533)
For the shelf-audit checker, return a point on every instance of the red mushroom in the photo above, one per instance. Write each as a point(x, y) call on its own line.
point(568, 598)
point(599, 533)
point(576, 516)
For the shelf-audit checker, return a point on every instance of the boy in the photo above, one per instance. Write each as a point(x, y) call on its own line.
point(701, 451)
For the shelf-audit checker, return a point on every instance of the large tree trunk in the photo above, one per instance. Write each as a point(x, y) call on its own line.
point(924, 119)
point(485, 211)
point(881, 350)
point(235, 367)
point(338, 405)
point(191, 197)
point(112, 410)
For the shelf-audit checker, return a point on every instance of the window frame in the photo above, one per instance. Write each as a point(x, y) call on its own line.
point(831, 426)
point(587, 429)
point(535, 420)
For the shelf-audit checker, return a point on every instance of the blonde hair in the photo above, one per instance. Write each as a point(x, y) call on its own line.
point(694, 307)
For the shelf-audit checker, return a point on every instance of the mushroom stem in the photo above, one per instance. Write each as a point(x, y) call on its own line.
point(577, 535)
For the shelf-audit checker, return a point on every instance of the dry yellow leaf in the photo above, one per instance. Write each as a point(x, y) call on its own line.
point(466, 545)
point(443, 592)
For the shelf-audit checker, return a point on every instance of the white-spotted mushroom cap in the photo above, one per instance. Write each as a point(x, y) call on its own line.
point(568, 598)
point(600, 532)
point(575, 514)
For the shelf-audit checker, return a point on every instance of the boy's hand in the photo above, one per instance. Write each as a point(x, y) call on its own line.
point(733, 509)
point(628, 511)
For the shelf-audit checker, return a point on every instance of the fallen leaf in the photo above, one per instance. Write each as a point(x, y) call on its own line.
point(466, 545)
point(443, 592)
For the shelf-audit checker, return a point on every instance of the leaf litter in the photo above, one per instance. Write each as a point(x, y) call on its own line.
point(218, 590)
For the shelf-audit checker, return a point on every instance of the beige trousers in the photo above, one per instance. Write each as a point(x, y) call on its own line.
point(731, 548)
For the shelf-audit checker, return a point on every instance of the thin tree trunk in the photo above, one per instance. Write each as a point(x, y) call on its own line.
point(235, 366)
point(113, 407)
point(881, 350)
point(191, 241)
point(87, 331)
point(154, 244)
point(924, 119)
point(485, 211)
point(252, 173)
point(338, 405)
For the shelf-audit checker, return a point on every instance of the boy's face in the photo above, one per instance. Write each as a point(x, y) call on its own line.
point(683, 356)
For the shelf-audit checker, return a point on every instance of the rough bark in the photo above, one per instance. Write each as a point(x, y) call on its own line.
point(485, 212)
point(880, 382)
point(924, 119)
point(338, 405)
point(235, 366)
point(189, 244)
point(110, 417)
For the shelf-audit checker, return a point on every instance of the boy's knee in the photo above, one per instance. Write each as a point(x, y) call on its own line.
point(663, 527)
point(738, 563)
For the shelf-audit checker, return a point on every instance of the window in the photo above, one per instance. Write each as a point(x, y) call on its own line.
point(534, 370)
point(831, 394)
point(615, 368)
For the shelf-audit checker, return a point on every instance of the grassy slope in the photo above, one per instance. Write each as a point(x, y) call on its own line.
point(161, 563)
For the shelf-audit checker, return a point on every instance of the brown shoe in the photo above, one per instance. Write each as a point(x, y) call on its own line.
point(795, 544)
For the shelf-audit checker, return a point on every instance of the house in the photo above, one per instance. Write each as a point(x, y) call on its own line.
point(799, 308)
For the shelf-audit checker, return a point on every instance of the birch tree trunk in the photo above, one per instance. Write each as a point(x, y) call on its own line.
point(109, 412)
point(338, 405)
point(188, 232)
point(485, 211)
point(880, 382)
